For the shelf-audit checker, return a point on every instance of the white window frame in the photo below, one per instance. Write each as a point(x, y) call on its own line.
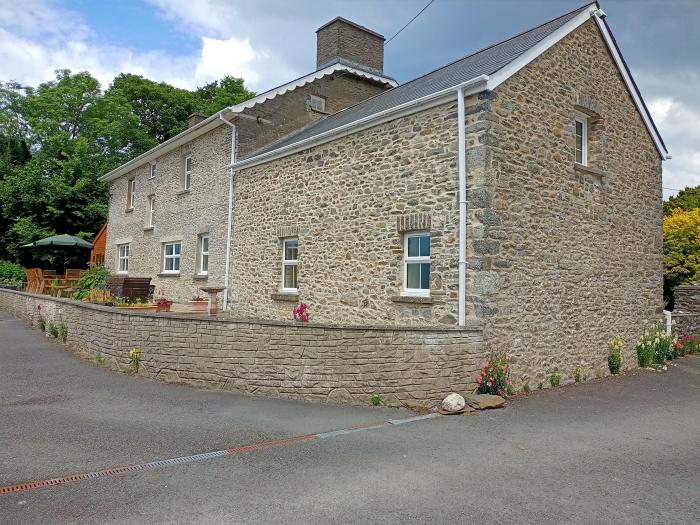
point(418, 292)
point(583, 120)
point(202, 254)
point(152, 171)
point(123, 257)
point(289, 262)
point(151, 210)
point(317, 103)
point(132, 193)
point(172, 257)
point(187, 176)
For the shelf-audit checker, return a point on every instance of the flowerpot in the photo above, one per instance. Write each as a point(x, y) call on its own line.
point(199, 306)
point(163, 308)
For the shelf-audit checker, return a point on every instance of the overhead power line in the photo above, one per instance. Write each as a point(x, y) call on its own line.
point(409, 22)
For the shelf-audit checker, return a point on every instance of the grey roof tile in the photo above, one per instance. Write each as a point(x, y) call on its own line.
point(484, 62)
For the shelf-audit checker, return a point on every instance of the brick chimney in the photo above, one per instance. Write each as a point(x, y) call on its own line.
point(341, 39)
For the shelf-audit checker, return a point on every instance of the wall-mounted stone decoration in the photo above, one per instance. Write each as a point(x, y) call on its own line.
point(288, 231)
point(414, 222)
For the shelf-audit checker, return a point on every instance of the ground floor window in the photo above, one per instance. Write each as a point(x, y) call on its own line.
point(290, 262)
point(123, 262)
point(417, 264)
point(203, 266)
point(171, 257)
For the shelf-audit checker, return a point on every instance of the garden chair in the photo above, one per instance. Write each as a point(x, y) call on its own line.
point(71, 281)
point(45, 278)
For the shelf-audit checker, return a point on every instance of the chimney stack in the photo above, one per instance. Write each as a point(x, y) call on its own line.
point(341, 39)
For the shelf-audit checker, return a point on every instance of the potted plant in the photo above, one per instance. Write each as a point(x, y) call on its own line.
point(199, 303)
point(163, 304)
point(121, 302)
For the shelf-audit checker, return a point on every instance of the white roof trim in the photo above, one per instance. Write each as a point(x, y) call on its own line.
point(214, 120)
point(593, 11)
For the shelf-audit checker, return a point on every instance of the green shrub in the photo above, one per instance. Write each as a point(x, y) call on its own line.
point(62, 332)
point(99, 358)
point(41, 323)
point(11, 271)
point(655, 346)
point(376, 399)
point(52, 329)
point(526, 388)
point(615, 354)
point(95, 277)
point(554, 379)
point(578, 372)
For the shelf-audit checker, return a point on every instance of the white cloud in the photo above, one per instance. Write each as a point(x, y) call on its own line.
point(36, 41)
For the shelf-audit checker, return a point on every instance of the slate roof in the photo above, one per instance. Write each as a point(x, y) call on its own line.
point(484, 62)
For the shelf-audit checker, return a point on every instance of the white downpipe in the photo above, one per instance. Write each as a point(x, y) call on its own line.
point(462, 205)
point(669, 321)
point(230, 211)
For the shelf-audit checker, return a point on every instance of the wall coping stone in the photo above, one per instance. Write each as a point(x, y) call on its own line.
point(473, 325)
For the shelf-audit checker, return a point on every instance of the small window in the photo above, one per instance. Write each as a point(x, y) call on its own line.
point(581, 150)
point(123, 262)
point(290, 254)
point(417, 264)
point(187, 177)
point(131, 194)
point(203, 255)
point(171, 257)
point(151, 210)
point(318, 103)
point(152, 172)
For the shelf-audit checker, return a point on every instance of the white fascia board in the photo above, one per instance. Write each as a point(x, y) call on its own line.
point(471, 87)
point(594, 12)
point(215, 120)
point(535, 51)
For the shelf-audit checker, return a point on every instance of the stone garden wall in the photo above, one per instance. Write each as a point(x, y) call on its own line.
point(686, 311)
point(410, 367)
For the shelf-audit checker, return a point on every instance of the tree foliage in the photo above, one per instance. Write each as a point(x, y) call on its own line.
point(58, 138)
point(687, 199)
point(681, 249)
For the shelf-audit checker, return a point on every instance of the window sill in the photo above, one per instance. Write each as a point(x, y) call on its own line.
point(128, 210)
point(168, 274)
point(587, 169)
point(182, 192)
point(285, 296)
point(148, 228)
point(413, 299)
point(200, 276)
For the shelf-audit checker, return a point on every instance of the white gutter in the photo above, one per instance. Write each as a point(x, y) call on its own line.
point(469, 87)
point(230, 211)
point(462, 157)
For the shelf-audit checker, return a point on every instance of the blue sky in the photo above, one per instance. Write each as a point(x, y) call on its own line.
point(268, 42)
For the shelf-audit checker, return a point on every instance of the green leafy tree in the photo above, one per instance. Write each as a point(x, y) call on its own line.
point(681, 250)
point(219, 94)
point(687, 199)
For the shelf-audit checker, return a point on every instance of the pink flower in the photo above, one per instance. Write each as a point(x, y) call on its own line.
point(488, 383)
point(509, 382)
point(478, 378)
point(493, 378)
point(686, 337)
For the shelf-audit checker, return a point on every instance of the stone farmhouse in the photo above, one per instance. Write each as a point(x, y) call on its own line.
point(515, 191)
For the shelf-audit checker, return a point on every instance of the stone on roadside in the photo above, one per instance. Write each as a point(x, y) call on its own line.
point(483, 401)
point(453, 403)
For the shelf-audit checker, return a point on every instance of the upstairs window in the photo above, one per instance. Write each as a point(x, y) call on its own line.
point(131, 194)
point(290, 262)
point(152, 172)
point(123, 258)
point(317, 103)
point(187, 176)
point(171, 257)
point(203, 267)
point(151, 211)
point(581, 147)
point(417, 264)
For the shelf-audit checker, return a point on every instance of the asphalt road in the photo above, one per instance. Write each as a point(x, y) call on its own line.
point(622, 450)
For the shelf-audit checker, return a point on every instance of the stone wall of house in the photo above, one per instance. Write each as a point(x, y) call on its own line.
point(409, 367)
point(563, 258)
point(291, 111)
point(186, 215)
point(350, 203)
point(180, 216)
point(687, 298)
